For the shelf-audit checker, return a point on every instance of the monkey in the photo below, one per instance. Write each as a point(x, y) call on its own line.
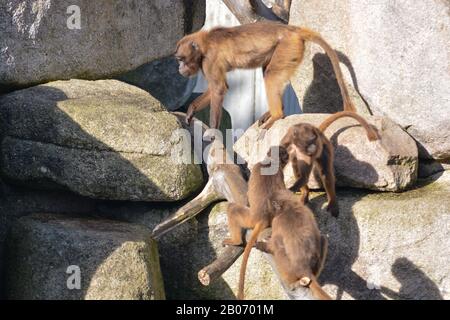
point(275, 47)
point(298, 248)
point(261, 188)
point(308, 146)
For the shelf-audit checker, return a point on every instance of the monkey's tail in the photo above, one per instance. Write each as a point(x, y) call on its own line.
point(372, 134)
point(256, 231)
point(315, 288)
point(315, 37)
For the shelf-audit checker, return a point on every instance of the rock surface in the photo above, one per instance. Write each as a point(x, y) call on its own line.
point(116, 260)
point(192, 246)
point(397, 53)
point(38, 46)
point(16, 202)
point(389, 164)
point(380, 240)
point(103, 139)
point(389, 246)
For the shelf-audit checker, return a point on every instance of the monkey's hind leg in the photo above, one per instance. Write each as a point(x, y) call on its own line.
point(326, 170)
point(238, 220)
point(285, 59)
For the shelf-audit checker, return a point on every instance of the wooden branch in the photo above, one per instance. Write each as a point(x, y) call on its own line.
point(214, 270)
point(225, 182)
point(242, 10)
point(188, 211)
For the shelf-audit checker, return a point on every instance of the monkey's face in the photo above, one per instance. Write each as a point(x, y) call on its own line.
point(305, 138)
point(189, 57)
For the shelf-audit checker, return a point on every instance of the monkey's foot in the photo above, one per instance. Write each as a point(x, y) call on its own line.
point(333, 209)
point(263, 119)
point(231, 242)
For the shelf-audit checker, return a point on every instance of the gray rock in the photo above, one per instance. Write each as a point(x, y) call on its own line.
point(163, 81)
point(389, 164)
point(38, 46)
point(397, 54)
point(103, 139)
point(193, 245)
point(380, 240)
point(116, 260)
point(389, 246)
point(16, 202)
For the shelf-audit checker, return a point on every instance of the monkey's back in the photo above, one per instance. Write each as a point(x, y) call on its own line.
point(250, 45)
point(296, 238)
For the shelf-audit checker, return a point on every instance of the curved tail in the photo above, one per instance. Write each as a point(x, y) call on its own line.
point(317, 290)
point(372, 133)
point(315, 37)
point(256, 231)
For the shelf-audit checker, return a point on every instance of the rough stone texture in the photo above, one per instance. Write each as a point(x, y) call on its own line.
point(115, 37)
point(117, 260)
point(385, 240)
point(398, 52)
point(389, 164)
point(103, 139)
point(192, 246)
point(395, 243)
point(16, 202)
point(163, 81)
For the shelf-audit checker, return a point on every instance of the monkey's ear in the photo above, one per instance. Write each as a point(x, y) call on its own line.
point(194, 45)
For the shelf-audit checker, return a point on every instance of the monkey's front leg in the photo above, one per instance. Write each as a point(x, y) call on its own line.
point(198, 104)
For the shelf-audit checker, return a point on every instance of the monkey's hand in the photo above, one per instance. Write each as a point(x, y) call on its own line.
point(189, 115)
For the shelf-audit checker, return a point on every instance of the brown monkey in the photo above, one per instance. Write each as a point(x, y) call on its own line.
point(298, 248)
point(261, 188)
point(276, 47)
point(308, 146)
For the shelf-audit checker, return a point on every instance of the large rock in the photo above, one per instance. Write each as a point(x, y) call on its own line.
point(397, 54)
point(116, 260)
point(38, 46)
point(16, 202)
point(102, 139)
point(396, 242)
point(389, 164)
point(389, 246)
point(192, 246)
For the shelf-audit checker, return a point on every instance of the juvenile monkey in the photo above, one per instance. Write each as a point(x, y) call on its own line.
point(308, 146)
point(261, 189)
point(298, 248)
point(276, 47)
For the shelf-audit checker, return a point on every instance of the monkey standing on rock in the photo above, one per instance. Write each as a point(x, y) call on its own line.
point(276, 47)
point(308, 146)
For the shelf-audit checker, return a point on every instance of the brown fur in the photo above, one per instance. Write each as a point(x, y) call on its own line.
point(276, 47)
point(298, 248)
point(308, 146)
point(258, 216)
